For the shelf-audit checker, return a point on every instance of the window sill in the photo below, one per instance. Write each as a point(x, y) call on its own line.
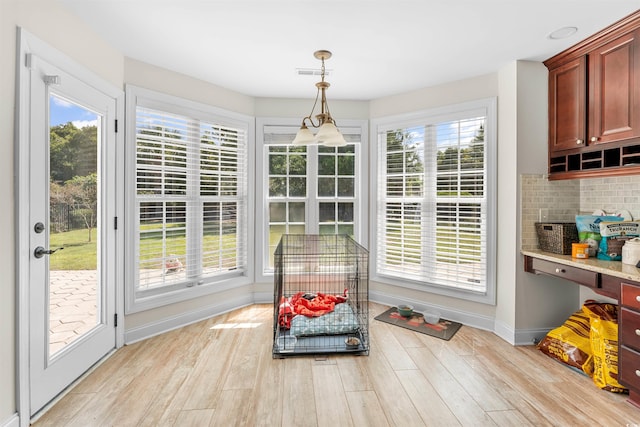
point(136, 305)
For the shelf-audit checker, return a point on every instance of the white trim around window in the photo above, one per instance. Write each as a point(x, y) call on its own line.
point(433, 211)
point(189, 200)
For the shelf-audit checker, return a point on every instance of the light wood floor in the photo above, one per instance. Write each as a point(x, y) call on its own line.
point(225, 375)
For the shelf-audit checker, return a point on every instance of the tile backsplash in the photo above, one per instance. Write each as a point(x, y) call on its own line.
point(560, 201)
point(611, 194)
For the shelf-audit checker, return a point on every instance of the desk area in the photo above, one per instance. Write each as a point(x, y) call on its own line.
point(613, 268)
point(608, 278)
point(604, 277)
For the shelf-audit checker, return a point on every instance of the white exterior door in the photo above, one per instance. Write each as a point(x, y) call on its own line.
point(72, 243)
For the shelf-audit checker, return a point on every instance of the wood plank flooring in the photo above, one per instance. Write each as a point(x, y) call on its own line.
point(220, 372)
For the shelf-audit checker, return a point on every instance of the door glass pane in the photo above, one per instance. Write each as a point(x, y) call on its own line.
point(73, 222)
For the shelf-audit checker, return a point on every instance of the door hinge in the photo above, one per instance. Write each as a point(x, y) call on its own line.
point(115, 320)
point(115, 222)
point(116, 126)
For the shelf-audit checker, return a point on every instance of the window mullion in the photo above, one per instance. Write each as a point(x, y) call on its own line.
point(194, 203)
point(312, 203)
point(430, 204)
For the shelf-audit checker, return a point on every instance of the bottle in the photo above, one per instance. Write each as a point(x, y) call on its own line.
point(631, 251)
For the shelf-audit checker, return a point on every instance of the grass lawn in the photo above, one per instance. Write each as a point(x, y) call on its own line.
point(78, 252)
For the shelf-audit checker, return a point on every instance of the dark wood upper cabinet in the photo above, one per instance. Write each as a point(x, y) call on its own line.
point(614, 89)
point(594, 104)
point(568, 105)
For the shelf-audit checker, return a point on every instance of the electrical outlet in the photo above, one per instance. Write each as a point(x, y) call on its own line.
point(543, 215)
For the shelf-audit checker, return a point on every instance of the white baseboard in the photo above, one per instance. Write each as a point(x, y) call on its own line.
point(519, 336)
point(12, 421)
point(263, 297)
point(507, 333)
point(184, 319)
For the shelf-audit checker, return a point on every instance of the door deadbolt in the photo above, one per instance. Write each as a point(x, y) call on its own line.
point(39, 252)
point(39, 227)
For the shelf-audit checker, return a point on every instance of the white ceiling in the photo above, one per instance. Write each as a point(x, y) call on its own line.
point(380, 47)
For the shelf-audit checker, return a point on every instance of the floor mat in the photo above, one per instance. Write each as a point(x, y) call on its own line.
point(445, 329)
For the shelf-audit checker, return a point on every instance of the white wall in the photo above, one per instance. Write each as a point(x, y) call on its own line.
point(298, 108)
point(451, 93)
point(176, 84)
point(528, 305)
point(507, 188)
point(8, 12)
point(541, 302)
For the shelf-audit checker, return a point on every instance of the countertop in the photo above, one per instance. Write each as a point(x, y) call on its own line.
point(612, 268)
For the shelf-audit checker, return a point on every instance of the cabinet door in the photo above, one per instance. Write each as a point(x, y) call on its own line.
point(614, 90)
point(567, 105)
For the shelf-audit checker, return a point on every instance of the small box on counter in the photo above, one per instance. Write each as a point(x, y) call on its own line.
point(556, 237)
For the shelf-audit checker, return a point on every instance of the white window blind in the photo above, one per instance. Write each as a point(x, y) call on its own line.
point(191, 199)
point(433, 211)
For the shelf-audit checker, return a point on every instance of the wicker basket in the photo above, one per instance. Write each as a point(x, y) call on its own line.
point(556, 237)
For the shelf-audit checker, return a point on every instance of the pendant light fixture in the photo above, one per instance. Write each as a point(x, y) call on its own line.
point(328, 133)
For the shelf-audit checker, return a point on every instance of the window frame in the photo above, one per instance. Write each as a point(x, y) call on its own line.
point(135, 301)
point(427, 117)
point(361, 199)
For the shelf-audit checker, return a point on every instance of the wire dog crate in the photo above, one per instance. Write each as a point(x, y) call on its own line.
point(321, 294)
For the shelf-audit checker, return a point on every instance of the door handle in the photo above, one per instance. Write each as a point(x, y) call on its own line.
point(39, 252)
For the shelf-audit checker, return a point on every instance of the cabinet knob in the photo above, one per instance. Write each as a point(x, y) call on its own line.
point(594, 139)
point(579, 142)
point(638, 298)
point(638, 332)
point(638, 372)
point(561, 270)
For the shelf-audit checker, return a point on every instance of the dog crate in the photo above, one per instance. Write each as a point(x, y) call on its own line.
point(321, 295)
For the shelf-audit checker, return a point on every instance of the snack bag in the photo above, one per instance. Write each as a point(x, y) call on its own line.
point(604, 344)
point(589, 230)
point(570, 343)
point(612, 238)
